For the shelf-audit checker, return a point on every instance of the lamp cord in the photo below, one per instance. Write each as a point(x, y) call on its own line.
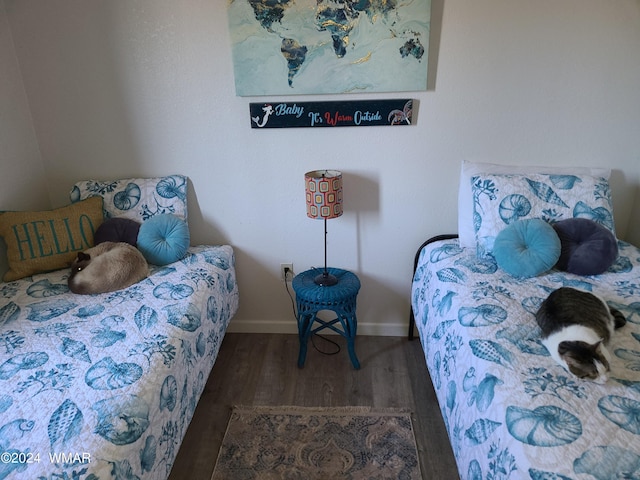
point(293, 303)
point(328, 340)
point(295, 315)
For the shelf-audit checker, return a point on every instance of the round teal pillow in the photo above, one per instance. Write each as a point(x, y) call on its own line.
point(527, 248)
point(163, 239)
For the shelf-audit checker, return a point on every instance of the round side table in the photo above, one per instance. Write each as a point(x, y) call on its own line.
point(339, 298)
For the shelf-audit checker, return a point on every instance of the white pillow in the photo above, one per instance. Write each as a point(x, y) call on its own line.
point(137, 198)
point(501, 200)
point(470, 169)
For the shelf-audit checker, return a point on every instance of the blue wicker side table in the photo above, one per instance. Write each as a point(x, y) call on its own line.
point(339, 298)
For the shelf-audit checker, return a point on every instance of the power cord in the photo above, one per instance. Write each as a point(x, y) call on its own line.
point(328, 340)
point(287, 274)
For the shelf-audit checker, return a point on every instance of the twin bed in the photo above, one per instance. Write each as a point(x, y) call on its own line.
point(510, 410)
point(104, 386)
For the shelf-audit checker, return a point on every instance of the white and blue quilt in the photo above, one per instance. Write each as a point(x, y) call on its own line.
point(512, 412)
point(104, 386)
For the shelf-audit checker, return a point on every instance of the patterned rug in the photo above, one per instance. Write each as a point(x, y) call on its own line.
point(269, 443)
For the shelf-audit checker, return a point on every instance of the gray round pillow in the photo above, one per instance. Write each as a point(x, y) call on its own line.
point(587, 248)
point(117, 229)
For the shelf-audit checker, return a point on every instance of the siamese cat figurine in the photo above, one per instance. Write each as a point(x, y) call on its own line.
point(107, 267)
point(576, 326)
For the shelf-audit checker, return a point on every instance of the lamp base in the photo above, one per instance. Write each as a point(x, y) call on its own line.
point(325, 279)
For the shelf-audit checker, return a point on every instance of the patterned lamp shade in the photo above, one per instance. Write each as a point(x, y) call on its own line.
point(324, 193)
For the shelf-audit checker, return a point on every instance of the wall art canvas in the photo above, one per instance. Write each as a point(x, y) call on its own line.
point(288, 47)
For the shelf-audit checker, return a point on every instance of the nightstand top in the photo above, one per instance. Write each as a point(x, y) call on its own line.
point(347, 287)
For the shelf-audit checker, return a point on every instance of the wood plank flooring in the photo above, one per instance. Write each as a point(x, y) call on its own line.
point(257, 369)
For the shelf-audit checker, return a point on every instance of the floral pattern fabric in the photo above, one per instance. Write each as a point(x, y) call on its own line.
point(104, 386)
point(511, 411)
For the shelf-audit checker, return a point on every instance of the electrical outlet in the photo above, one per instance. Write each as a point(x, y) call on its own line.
point(286, 271)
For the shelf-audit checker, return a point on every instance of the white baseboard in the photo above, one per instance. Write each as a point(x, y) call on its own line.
point(289, 326)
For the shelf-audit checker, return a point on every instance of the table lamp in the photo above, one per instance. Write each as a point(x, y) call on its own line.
point(324, 201)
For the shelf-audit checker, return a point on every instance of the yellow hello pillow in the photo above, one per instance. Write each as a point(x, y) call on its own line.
point(39, 242)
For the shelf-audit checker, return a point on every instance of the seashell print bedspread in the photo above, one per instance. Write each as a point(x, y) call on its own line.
point(104, 386)
point(510, 410)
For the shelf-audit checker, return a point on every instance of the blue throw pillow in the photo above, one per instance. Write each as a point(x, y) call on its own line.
point(527, 248)
point(163, 239)
point(587, 247)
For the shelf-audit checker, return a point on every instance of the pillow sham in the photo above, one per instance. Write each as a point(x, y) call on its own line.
point(39, 242)
point(527, 248)
point(137, 198)
point(499, 200)
point(588, 248)
point(469, 169)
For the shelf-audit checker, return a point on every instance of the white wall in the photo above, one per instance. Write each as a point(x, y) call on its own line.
point(122, 88)
point(22, 181)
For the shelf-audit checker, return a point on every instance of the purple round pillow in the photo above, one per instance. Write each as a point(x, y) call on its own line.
point(587, 248)
point(117, 229)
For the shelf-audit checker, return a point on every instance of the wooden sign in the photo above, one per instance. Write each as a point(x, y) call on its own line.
point(355, 113)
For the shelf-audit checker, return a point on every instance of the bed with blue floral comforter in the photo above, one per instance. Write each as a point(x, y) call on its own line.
point(104, 386)
point(511, 412)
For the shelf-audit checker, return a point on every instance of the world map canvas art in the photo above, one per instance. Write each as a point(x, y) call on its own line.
point(288, 47)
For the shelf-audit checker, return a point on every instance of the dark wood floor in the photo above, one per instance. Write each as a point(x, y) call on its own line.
point(256, 369)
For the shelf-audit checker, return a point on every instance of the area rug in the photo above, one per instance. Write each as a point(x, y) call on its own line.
point(269, 443)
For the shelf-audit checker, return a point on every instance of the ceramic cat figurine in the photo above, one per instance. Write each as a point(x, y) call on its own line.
point(576, 326)
point(107, 267)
